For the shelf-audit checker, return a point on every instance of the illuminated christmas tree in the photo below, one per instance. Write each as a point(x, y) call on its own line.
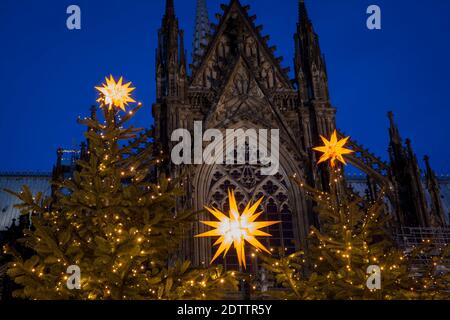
point(352, 256)
point(113, 222)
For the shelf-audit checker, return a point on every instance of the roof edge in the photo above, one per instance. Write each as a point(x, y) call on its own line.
point(25, 174)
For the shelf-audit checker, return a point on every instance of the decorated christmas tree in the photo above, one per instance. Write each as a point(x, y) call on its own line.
point(111, 225)
point(353, 256)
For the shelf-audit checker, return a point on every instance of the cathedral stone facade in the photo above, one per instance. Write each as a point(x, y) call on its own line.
point(236, 82)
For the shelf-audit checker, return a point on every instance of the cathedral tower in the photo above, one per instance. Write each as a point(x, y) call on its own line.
point(202, 31)
point(171, 77)
point(237, 82)
point(311, 78)
point(411, 207)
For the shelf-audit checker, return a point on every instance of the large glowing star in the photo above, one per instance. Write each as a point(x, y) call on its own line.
point(237, 229)
point(115, 94)
point(333, 150)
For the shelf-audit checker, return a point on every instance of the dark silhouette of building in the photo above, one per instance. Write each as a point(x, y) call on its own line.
point(236, 82)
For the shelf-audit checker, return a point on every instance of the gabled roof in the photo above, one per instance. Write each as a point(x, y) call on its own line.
point(235, 6)
point(267, 108)
point(241, 64)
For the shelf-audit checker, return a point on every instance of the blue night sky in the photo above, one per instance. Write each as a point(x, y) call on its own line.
point(47, 73)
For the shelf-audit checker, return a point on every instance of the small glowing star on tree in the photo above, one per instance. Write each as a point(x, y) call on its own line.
point(333, 150)
point(115, 94)
point(237, 229)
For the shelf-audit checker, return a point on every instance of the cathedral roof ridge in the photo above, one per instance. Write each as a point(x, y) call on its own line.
point(242, 60)
point(25, 174)
point(219, 29)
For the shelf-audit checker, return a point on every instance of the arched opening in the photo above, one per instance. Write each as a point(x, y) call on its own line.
point(283, 201)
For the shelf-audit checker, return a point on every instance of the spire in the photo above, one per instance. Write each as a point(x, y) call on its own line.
point(171, 77)
point(393, 130)
point(409, 149)
point(429, 172)
point(310, 67)
point(182, 50)
point(170, 56)
point(302, 12)
point(411, 204)
point(311, 77)
point(437, 208)
point(202, 29)
point(170, 9)
point(306, 29)
point(170, 22)
point(427, 163)
point(396, 149)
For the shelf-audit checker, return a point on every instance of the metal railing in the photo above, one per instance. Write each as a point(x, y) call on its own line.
point(414, 237)
point(433, 239)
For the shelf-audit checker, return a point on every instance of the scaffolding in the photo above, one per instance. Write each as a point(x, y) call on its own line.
point(70, 157)
point(435, 239)
point(413, 237)
point(66, 163)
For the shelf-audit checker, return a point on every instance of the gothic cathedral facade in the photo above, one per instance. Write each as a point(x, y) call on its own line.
point(236, 82)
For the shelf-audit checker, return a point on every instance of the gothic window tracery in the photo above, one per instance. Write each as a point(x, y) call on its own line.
point(249, 185)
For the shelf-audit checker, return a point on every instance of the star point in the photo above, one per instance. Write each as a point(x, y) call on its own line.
point(236, 229)
point(115, 94)
point(333, 149)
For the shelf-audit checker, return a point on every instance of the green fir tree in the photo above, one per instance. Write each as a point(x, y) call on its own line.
point(353, 236)
point(116, 224)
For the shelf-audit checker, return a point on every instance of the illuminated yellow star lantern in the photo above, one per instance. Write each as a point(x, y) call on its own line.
point(115, 94)
point(237, 229)
point(333, 150)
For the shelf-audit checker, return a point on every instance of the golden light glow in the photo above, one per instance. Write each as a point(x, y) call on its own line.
point(237, 229)
point(333, 150)
point(115, 94)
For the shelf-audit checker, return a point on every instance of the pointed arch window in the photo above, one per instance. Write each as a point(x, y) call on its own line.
point(249, 185)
